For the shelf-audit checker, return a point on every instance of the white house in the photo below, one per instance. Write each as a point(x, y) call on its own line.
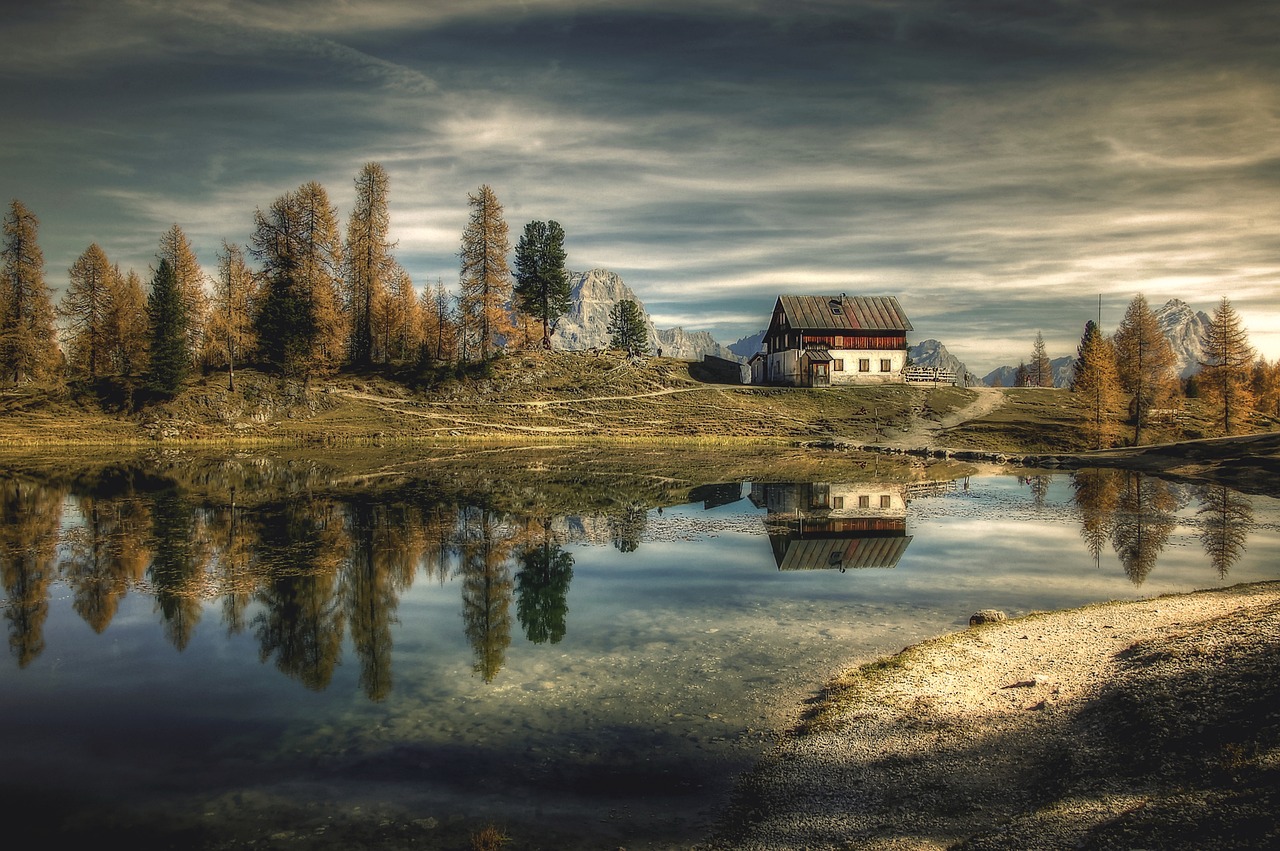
point(823, 341)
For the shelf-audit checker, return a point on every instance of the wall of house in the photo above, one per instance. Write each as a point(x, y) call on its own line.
point(784, 367)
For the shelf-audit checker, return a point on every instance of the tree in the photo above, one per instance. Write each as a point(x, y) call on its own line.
point(1145, 361)
point(542, 285)
point(1227, 369)
point(1265, 384)
point(230, 328)
point(125, 335)
point(485, 280)
point(167, 338)
point(627, 330)
point(369, 264)
point(399, 318)
point(28, 340)
point(176, 249)
point(1040, 370)
point(439, 325)
point(1097, 383)
point(84, 310)
point(299, 325)
point(1021, 376)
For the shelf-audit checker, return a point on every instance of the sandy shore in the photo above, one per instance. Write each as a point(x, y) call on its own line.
point(1149, 724)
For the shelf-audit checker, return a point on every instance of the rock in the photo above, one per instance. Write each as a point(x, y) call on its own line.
point(986, 616)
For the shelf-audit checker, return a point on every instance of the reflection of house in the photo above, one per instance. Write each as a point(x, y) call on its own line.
point(820, 341)
point(834, 526)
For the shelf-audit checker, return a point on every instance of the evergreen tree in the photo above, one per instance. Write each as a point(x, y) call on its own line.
point(1226, 371)
point(83, 309)
point(627, 330)
point(485, 309)
point(1097, 383)
point(167, 337)
point(1021, 376)
point(369, 265)
point(28, 341)
point(542, 284)
point(1145, 361)
point(177, 250)
point(1040, 370)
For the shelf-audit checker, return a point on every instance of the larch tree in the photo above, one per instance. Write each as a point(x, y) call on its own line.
point(541, 282)
point(1226, 371)
point(1097, 383)
point(1265, 384)
point(627, 330)
point(1145, 360)
point(125, 338)
point(402, 322)
point(83, 309)
point(299, 325)
point(230, 332)
point(28, 338)
point(369, 265)
point(439, 324)
point(169, 358)
point(485, 306)
point(176, 249)
point(1040, 370)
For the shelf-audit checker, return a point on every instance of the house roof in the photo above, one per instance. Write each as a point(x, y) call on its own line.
point(844, 313)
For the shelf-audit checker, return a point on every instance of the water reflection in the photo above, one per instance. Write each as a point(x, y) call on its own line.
point(302, 571)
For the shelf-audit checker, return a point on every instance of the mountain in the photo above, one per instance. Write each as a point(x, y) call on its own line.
point(931, 353)
point(1063, 369)
point(749, 345)
point(593, 294)
point(1186, 330)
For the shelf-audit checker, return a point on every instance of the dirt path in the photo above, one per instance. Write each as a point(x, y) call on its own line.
point(924, 431)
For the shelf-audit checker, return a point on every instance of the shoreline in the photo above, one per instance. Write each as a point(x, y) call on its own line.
point(1148, 721)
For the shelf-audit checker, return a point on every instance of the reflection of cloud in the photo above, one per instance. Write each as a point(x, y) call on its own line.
point(996, 171)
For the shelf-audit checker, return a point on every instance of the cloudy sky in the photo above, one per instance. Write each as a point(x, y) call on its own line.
point(996, 165)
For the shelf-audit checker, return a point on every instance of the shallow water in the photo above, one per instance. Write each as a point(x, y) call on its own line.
point(315, 669)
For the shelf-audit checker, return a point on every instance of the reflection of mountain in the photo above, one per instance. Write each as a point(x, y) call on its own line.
point(825, 526)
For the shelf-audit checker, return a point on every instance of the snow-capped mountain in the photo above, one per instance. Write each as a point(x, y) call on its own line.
point(749, 345)
point(932, 353)
point(1063, 369)
point(1186, 330)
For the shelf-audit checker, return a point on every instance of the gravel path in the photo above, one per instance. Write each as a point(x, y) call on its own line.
point(1149, 724)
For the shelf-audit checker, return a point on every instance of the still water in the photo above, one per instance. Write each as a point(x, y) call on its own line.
point(291, 662)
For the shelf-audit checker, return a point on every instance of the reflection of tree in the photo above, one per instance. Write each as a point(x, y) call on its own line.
point(302, 547)
point(1227, 518)
point(370, 594)
point(1039, 488)
point(30, 515)
point(486, 588)
point(438, 526)
point(1097, 494)
point(177, 565)
point(234, 543)
point(627, 526)
point(542, 588)
point(1143, 523)
point(106, 555)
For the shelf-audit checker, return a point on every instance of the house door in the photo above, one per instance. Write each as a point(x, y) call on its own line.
point(819, 374)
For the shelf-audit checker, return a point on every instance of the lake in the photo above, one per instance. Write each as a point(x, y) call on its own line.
point(244, 651)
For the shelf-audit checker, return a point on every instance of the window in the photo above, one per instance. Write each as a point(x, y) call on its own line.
point(885, 500)
point(837, 502)
point(835, 307)
point(886, 365)
point(837, 365)
point(864, 364)
point(864, 502)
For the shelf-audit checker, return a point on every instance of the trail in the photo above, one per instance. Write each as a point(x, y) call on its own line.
point(924, 430)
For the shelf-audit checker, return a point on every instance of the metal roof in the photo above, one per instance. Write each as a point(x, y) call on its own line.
point(836, 553)
point(844, 313)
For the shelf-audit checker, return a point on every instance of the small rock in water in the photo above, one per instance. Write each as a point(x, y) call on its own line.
point(986, 616)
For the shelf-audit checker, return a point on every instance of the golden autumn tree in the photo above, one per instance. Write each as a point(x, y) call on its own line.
point(126, 330)
point(1226, 371)
point(83, 309)
point(439, 324)
point(485, 308)
point(1097, 384)
point(176, 250)
point(1145, 360)
point(28, 340)
point(369, 264)
point(229, 332)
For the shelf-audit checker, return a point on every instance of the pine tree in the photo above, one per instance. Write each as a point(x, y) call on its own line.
point(627, 330)
point(1097, 383)
point(28, 340)
point(230, 333)
point(1145, 361)
point(1226, 371)
point(1040, 370)
point(83, 309)
point(1021, 375)
point(369, 264)
point(167, 332)
point(176, 249)
point(485, 280)
point(541, 282)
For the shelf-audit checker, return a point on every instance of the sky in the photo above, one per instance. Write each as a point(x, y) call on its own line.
point(997, 166)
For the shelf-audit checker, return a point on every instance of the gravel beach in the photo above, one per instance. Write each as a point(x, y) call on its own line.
point(1148, 724)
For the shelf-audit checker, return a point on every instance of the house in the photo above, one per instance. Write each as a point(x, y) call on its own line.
point(823, 341)
point(825, 526)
